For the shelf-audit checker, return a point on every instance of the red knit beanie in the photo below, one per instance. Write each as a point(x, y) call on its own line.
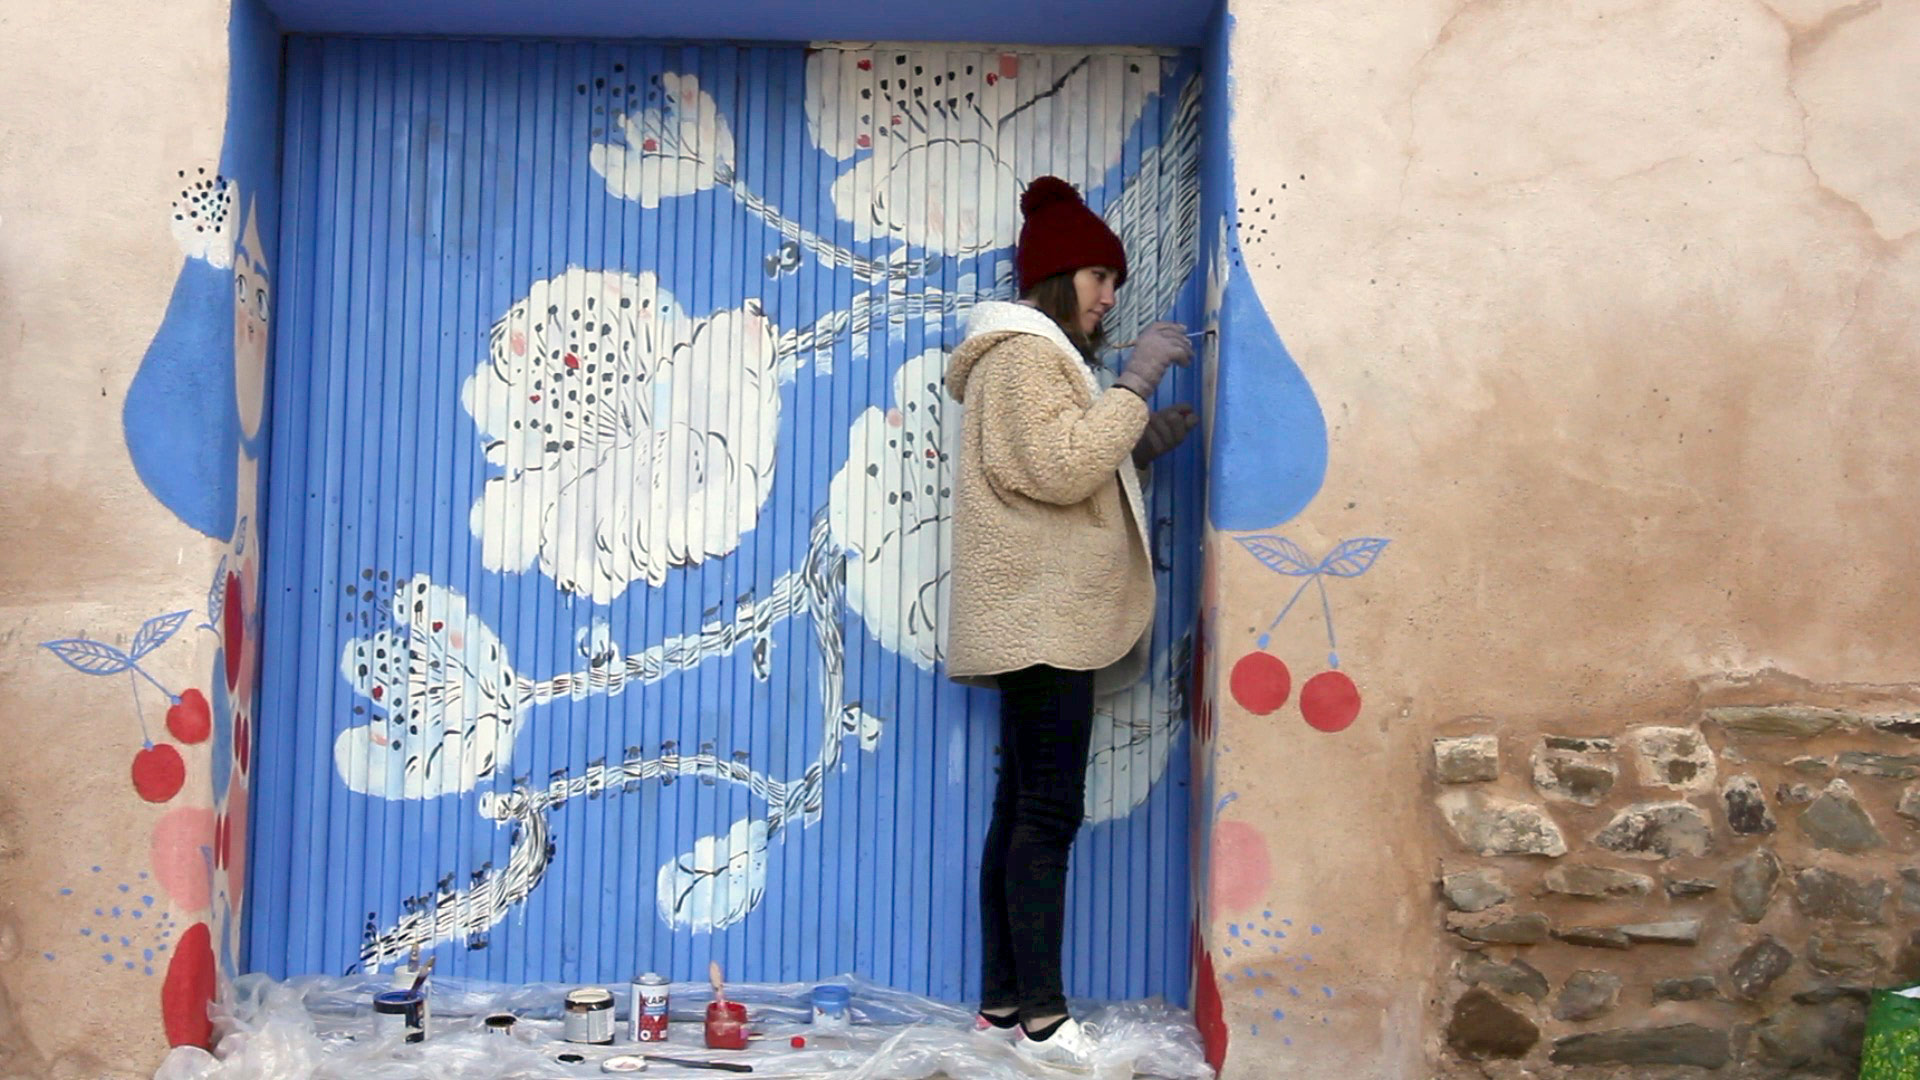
point(1062, 235)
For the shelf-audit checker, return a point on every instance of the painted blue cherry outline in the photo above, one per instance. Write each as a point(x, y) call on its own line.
point(1348, 559)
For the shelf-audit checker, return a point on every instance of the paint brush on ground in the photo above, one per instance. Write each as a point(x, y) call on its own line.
point(1136, 341)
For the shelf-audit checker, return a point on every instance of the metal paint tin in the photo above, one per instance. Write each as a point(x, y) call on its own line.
point(499, 1024)
point(589, 1016)
point(832, 1008)
point(397, 1011)
point(403, 979)
point(648, 1022)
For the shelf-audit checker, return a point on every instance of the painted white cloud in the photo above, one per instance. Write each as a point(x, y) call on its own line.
point(717, 883)
point(937, 134)
point(632, 438)
point(675, 147)
point(1133, 735)
point(889, 506)
point(442, 691)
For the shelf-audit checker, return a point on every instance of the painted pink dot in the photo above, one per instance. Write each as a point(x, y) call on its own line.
point(865, 141)
point(1242, 869)
point(650, 144)
point(1009, 66)
point(182, 845)
point(519, 344)
point(895, 418)
point(896, 121)
point(457, 639)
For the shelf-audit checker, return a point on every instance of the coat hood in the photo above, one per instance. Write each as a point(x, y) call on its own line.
point(992, 322)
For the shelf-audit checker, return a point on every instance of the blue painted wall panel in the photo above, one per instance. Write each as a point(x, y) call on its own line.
point(606, 557)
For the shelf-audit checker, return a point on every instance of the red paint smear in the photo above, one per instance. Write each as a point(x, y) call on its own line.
point(234, 623)
point(189, 989)
point(572, 361)
point(190, 719)
point(866, 65)
point(158, 773)
point(1242, 869)
point(1009, 66)
point(1330, 701)
point(650, 145)
point(1208, 1013)
point(1261, 683)
point(242, 737)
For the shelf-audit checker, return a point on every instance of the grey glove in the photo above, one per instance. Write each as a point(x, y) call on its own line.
point(1166, 429)
point(1158, 347)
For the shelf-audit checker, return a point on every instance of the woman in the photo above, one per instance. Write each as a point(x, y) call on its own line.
point(1053, 593)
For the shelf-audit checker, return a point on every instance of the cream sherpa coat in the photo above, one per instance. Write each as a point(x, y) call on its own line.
point(1050, 558)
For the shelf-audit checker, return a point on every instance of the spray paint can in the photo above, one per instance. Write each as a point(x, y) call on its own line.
point(397, 1011)
point(648, 1022)
point(589, 1016)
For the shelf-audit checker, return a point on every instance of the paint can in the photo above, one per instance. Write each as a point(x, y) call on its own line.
point(832, 1008)
point(589, 1016)
point(499, 1024)
point(726, 1026)
point(397, 1011)
point(648, 1022)
point(405, 977)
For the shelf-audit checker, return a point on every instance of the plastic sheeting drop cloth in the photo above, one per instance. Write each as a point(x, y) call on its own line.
point(322, 1028)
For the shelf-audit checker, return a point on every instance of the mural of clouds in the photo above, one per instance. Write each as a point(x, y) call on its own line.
point(678, 146)
point(934, 133)
point(440, 677)
point(633, 439)
point(717, 883)
point(889, 507)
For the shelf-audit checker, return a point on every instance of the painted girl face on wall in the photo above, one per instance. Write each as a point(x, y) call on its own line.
point(252, 297)
point(1095, 286)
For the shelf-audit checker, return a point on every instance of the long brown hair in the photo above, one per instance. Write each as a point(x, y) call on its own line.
point(1059, 300)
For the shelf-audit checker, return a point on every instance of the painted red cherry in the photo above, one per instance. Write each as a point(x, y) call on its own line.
point(864, 141)
point(1261, 683)
point(234, 624)
point(190, 719)
point(158, 773)
point(1330, 701)
point(866, 65)
point(189, 989)
point(650, 145)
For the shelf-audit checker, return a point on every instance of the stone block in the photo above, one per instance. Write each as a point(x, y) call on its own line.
point(1514, 977)
point(1757, 967)
point(1838, 955)
point(1747, 813)
point(1837, 822)
point(1490, 825)
point(1754, 878)
point(1665, 932)
point(1587, 995)
point(1811, 766)
point(1885, 766)
point(1695, 988)
point(1812, 1040)
point(1595, 882)
point(1910, 892)
point(1658, 831)
point(1672, 757)
point(1530, 929)
point(1466, 759)
point(1677, 1044)
point(1907, 725)
point(1826, 995)
point(1776, 722)
point(1474, 890)
point(1574, 770)
point(1483, 1028)
point(1831, 897)
point(1689, 888)
point(1594, 937)
point(1794, 794)
point(1909, 807)
point(1906, 962)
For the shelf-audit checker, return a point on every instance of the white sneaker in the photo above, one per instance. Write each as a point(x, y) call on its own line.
point(984, 1026)
point(1072, 1045)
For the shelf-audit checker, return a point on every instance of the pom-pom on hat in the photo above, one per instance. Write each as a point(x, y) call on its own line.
point(1061, 235)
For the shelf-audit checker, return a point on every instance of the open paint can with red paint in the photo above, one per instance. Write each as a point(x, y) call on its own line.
point(726, 1026)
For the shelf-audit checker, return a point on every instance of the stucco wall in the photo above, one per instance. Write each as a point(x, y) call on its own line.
point(1609, 312)
point(120, 227)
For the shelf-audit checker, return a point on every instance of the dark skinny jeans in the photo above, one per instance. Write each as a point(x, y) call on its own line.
point(1046, 720)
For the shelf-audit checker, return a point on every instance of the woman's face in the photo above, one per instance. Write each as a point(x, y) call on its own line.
point(1095, 285)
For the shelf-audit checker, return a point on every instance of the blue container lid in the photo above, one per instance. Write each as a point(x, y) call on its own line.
point(832, 995)
point(399, 998)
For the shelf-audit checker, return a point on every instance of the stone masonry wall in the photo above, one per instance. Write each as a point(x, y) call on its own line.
point(1711, 894)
